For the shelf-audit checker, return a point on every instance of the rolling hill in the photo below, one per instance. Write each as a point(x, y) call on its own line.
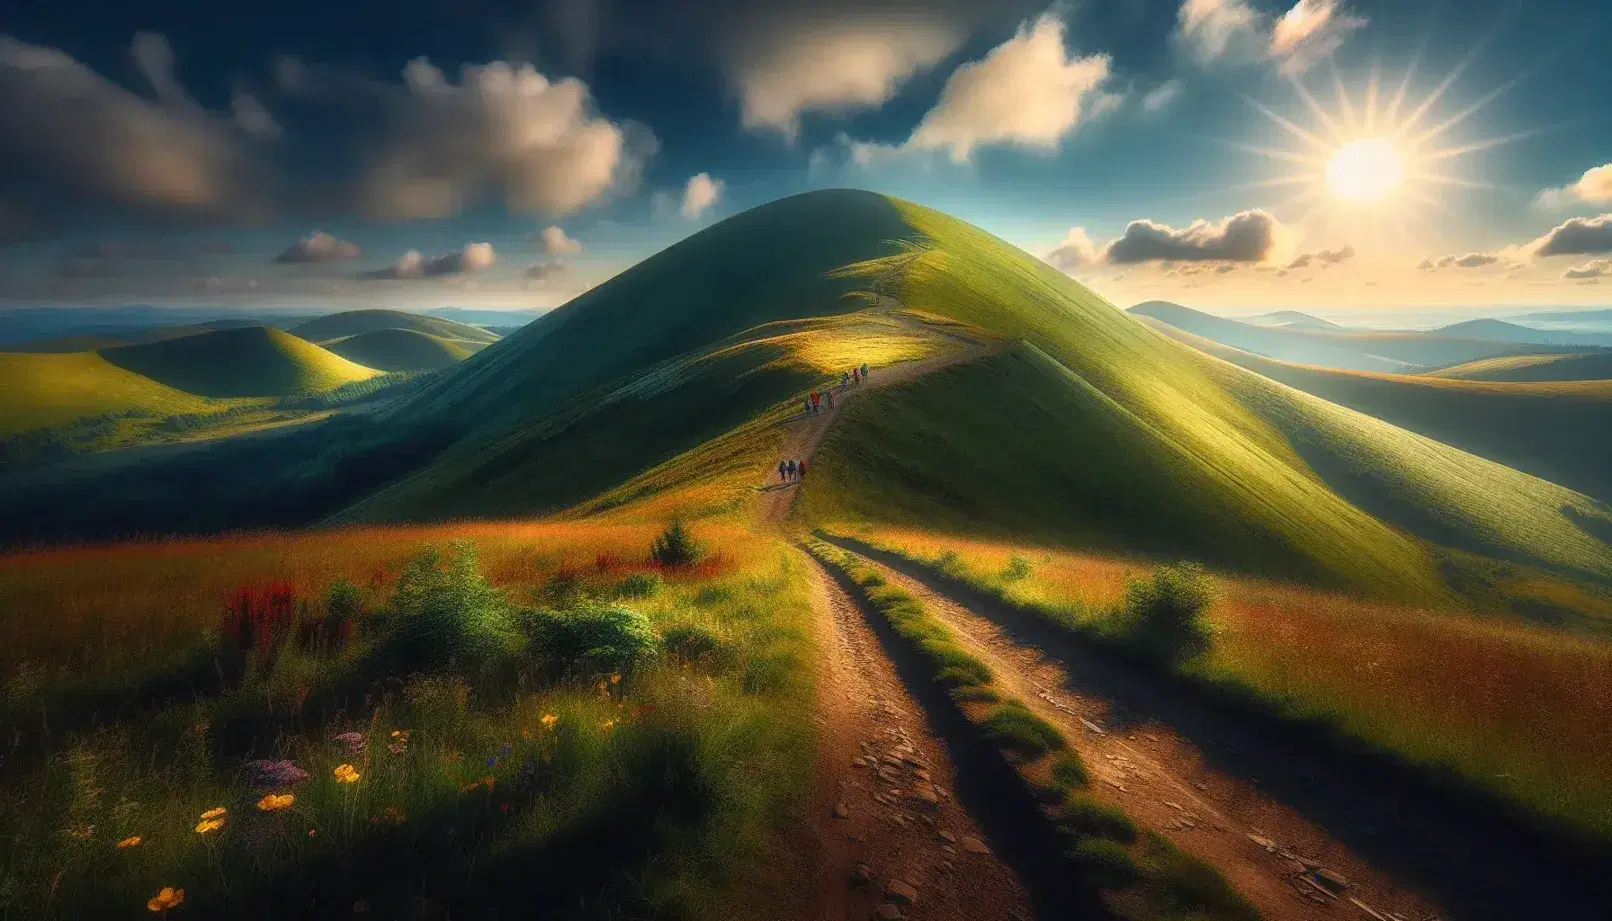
point(1291, 319)
point(356, 322)
point(403, 350)
point(1501, 331)
point(1076, 424)
point(1352, 351)
point(1585, 366)
point(44, 390)
point(252, 361)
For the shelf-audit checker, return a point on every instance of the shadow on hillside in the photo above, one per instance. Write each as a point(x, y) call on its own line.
point(1464, 848)
point(987, 786)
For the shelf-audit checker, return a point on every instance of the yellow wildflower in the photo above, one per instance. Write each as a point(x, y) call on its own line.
point(168, 898)
point(131, 841)
point(615, 678)
point(274, 802)
point(217, 812)
point(400, 735)
point(346, 774)
point(549, 720)
point(207, 826)
point(607, 725)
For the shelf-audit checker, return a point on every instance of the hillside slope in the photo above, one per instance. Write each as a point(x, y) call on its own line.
point(42, 390)
point(1586, 366)
point(252, 361)
point(1559, 431)
point(403, 350)
point(1345, 350)
point(684, 371)
point(356, 322)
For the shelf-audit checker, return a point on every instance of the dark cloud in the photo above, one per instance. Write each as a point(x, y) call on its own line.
point(1324, 256)
point(319, 247)
point(1579, 236)
point(1248, 236)
point(412, 265)
point(547, 270)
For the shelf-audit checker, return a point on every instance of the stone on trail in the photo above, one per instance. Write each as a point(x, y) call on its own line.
point(900, 893)
point(888, 912)
point(1262, 841)
point(1331, 879)
point(861, 874)
point(975, 846)
point(947, 837)
point(841, 811)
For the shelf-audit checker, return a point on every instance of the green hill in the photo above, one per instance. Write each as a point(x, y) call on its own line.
point(357, 322)
point(44, 390)
point(1560, 431)
point(403, 350)
point(1347, 350)
point(1083, 426)
point(1587, 366)
point(252, 361)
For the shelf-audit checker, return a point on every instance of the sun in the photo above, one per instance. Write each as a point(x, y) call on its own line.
point(1365, 170)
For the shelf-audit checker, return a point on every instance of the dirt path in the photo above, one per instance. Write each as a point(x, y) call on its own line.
point(1166, 784)
point(876, 751)
point(806, 433)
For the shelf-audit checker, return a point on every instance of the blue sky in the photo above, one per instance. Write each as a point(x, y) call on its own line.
point(178, 152)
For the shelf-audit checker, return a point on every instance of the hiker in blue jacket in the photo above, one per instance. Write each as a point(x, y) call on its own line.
point(791, 470)
point(783, 471)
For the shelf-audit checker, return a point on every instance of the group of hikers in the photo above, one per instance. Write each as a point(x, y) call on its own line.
point(789, 470)
point(854, 377)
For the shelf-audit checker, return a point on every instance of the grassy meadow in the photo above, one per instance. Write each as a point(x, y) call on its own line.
point(1513, 708)
point(541, 717)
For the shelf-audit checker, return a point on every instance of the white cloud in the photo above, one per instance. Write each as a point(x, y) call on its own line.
point(411, 265)
point(1247, 236)
point(1594, 187)
point(1310, 32)
point(700, 193)
point(502, 126)
point(70, 130)
point(1161, 96)
point(1595, 268)
point(1075, 251)
point(1467, 261)
point(1214, 29)
point(319, 247)
point(1324, 256)
point(833, 66)
point(556, 243)
point(548, 270)
point(1579, 236)
point(1026, 92)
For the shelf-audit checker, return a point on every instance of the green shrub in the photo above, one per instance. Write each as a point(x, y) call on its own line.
point(1017, 569)
point(444, 611)
point(676, 547)
point(1106, 864)
point(696, 646)
point(713, 595)
point(974, 692)
point(949, 562)
point(565, 589)
point(964, 674)
point(593, 638)
point(640, 585)
point(1012, 727)
point(1194, 884)
point(1084, 817)
point(1165, 614)
point(1069, 770)
point(764, 674)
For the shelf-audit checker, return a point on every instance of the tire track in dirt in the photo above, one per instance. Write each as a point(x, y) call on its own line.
point(876, 750)
point(1159, 778)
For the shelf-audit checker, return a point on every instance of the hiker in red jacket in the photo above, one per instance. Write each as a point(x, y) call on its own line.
point(802, 471)
point(815, 397)
point(856, 376)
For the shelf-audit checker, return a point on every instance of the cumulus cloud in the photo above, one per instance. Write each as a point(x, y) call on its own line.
point(1161, 96)
point(547, 270)
point(1323, 256)
point(92, 142)
point(1076, 251)
point(1595, 268)
point(319, 247)
point(1028, 91)
point(1232, 30)
point(833, 66)
point(1468, 261)
point(1247, 236)
point(539, 143)
point(411, 265)
point(1309, 33)
point(556, 243)
point(1579, 236)
point(1594, 187)
point(700, 193)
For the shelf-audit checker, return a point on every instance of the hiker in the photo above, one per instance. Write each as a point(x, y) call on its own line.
point(783, 471)
point(845, 381)
point(831, 401)
point(802, 470)
point(807, 406)
point(864, 370)
point(856, 376)
point(791, 470)
point(815, 396)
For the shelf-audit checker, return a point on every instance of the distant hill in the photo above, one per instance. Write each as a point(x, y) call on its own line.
point(403, 350)
point(1291, 319)
point(1342, 349)
point(20, 327)
point(253, 361)
point(489, 318)
point(356, 322)
point(1558, 430)
point(670, 387)
point(90, 342)
point(1576, 366)
point(50, 389)
point(1501, 331)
